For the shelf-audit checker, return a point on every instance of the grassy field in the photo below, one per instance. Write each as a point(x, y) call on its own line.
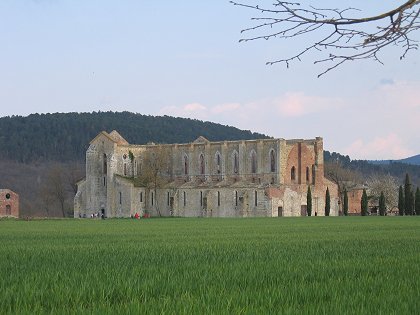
point(352, 265)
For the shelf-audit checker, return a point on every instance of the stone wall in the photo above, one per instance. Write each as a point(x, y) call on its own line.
point(202, 178)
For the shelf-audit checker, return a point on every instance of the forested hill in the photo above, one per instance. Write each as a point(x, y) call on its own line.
point(65, 136)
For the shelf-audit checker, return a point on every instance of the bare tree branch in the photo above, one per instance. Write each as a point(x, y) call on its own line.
point(341, 36)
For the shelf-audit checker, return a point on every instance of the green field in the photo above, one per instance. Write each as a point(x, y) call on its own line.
point(335, 265)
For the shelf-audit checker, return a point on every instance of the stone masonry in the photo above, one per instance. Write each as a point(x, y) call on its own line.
point(267, 177)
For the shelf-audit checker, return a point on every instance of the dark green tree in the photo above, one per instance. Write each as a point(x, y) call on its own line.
point(417, 202)
point(327, 203)
point(407, 195)
point(401, 201)
point(364, 203)
point(382, 207)
point(309, 201)
point(346, 203)
point(412, 201)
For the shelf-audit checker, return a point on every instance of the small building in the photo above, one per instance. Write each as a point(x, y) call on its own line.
point(354, 193)
point(9, 203)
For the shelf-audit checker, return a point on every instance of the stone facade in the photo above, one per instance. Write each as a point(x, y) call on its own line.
point(9, 203)
point(210, 179)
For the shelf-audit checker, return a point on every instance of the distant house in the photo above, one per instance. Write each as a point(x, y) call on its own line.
point(354, 194)
point(9, 203)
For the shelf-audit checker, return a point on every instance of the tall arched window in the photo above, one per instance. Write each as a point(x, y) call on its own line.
point(104, 165)
point(8, 210)
point(185, 164)
point(272, 161)
point(218, 163)
point(313, 174)
point(202, 165)
point(235, 163)
point(307, 174)
point(253, 162)
point(293, 173)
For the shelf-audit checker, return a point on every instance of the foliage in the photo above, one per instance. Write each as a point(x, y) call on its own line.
point(344, 177)
point(309, 201)
point(327, 202)
point(383, 184)
point(131, 156)
point(346, 203)
point(364, 203)
point(364, 169)
point(412, 201)
point(401, 201)
point(417, 203)
point(65, 137)
point(382, 204)
point(407, 195)
point(155, 171)
point(211, 266)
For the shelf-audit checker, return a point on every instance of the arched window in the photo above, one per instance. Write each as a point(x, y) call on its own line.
point(256, 199)
point(202, 165)
point(293, 173)
point(307, 174)
point(8, 210)
point(125, 169)
point(218, 163)
point(313, 174)
point(272, 161)
point(218, 198)
point(253, 162)
point(235, 162)
point(186, 164)
point(104, 165)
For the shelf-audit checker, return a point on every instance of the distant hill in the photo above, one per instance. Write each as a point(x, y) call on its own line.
point(66, 136)
point(366, 168)
point(413, 160)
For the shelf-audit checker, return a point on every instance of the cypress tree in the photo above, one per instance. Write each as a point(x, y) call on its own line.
point(346, 203)
point(411, 208)
point(364, 203)
point(327, 203)
point(309, 201)
point(407, 195)
point(401, 201)
point(382, 206)
point(417, 203)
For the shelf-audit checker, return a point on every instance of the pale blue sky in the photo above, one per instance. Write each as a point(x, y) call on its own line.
point(183, 58)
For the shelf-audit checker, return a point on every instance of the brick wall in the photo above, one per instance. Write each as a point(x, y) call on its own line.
point(9, 203)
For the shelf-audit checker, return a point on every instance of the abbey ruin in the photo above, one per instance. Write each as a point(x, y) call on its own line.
point(267, 177)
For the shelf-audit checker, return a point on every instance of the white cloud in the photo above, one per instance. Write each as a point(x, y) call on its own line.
point(299, 104)
point(375, 124)
point(389, 146)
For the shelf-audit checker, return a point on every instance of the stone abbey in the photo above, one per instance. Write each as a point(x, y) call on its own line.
point(245, 178)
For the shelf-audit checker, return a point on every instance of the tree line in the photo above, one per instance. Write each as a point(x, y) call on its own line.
point(66, 136)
